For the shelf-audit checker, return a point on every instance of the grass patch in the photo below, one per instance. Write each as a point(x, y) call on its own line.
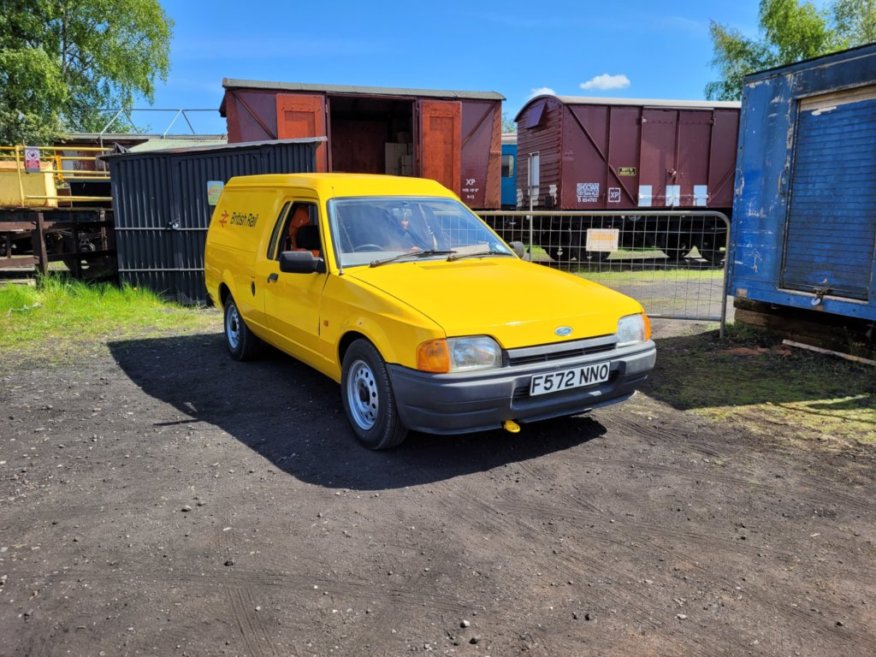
point(648, 276)
point(60, 317)
point(750, 378)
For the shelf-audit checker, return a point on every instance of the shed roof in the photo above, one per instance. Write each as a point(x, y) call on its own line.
point(209, 149)
point(229, 83)
point(179, 144)
point(637, 102)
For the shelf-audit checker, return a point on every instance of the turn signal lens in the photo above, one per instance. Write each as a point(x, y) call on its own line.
point(647, 326)
point(433, 356)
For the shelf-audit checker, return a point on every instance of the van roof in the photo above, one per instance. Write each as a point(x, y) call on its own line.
point(346, 184)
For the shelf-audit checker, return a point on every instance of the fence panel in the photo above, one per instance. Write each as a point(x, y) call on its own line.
point(672, 261)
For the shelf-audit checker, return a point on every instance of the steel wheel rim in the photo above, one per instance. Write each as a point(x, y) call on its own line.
point(362, 396)
point(232, 327)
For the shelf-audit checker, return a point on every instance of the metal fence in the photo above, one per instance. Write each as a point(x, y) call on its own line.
point(672, 261)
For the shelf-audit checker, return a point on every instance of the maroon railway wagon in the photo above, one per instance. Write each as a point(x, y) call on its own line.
point(578, 153)
point(453, 137)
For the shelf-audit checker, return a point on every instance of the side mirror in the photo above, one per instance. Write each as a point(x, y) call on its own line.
point(519, 248)
point(300, 262)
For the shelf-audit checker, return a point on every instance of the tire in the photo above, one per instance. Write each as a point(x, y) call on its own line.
point(593, 257)
point(241, 342)
point(570, 243)
point(556, 256)
point(714, 257)
point(369, 403)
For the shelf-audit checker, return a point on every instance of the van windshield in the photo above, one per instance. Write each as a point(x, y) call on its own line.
point(367, 230)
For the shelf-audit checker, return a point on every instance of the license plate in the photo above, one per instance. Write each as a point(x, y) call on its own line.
point(577, 377)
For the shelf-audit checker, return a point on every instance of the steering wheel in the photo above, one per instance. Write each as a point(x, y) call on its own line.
point(368, 247)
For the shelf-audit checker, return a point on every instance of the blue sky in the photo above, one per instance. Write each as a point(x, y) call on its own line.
point(633, 49)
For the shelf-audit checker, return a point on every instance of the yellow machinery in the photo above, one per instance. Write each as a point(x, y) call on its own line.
point(44, 214)
point(43, 181)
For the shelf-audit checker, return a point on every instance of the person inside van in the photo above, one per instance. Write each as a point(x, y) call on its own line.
point(300, 218)
point(407, 239)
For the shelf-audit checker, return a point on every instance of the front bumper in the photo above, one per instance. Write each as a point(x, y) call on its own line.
point(463, 402)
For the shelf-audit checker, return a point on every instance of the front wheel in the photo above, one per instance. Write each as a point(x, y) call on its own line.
point(241, 342)
point(367, 396)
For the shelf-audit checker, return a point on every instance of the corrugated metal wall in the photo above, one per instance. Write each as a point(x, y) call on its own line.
point(162, 211)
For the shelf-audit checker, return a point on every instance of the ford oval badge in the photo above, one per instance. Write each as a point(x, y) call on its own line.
point(563, 331)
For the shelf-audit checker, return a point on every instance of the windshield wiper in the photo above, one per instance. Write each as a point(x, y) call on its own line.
point(411, 254)
point(476, 254)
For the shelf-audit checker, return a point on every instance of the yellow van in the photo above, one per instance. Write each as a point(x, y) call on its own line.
point(428, 320)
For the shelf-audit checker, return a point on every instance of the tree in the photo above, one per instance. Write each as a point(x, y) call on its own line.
point(63, 61)
point(855, 21)
point(790, 32)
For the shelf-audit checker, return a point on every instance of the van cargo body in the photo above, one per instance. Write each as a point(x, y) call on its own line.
point(453, 137)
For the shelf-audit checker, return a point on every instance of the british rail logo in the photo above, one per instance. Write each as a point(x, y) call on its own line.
point(246, 219)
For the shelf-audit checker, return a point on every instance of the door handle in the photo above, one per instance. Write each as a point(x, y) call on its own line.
point(273, 278)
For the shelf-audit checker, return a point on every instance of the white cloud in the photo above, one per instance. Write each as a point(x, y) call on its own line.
point(606, 81)
point(542, 91)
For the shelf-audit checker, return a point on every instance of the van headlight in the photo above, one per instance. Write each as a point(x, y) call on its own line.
point(459, 354)
point(633, 329)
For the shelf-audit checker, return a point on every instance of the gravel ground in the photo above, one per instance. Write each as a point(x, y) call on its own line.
point(160, 499)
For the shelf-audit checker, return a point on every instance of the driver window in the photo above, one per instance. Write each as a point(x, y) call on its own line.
point(275, 234)
point(298, 230)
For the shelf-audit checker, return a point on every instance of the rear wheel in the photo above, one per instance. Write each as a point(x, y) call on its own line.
point(566, 247)
point(368, 400)
point(557, 254)
point(712, 256)
point(711, 246)
point(674, 246)
point(241, 342)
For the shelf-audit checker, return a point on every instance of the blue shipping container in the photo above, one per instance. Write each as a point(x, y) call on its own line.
point(509, 171)
point(804, 209)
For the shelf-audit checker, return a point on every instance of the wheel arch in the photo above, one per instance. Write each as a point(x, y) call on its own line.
point(226, 288)
point(349, 338)
point(224, 293)
point(382, 336)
